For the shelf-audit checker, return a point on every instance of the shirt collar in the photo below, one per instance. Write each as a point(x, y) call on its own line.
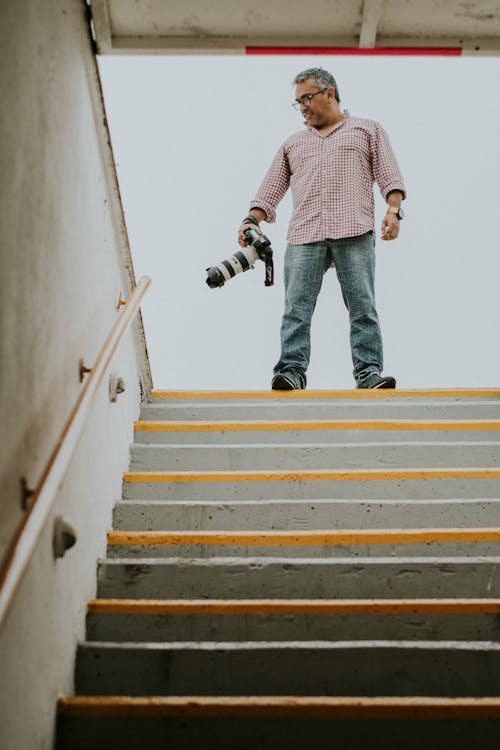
point(346, 114)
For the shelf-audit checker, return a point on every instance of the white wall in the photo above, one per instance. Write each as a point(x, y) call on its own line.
point(64, 261)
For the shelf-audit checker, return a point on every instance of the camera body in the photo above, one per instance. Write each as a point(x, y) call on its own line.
point(259, 247)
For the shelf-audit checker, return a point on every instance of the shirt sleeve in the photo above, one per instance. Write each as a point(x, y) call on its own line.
point(273, 186)
point(386, 170)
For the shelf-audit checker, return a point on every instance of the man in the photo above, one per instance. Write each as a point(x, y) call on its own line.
point(331, 167)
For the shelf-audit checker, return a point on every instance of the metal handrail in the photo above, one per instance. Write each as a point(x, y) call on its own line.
point(26, 538)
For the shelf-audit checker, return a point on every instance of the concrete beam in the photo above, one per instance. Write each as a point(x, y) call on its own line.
point(369, 22)
point(102, 26)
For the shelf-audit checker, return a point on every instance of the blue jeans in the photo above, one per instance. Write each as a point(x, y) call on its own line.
point(305, 266)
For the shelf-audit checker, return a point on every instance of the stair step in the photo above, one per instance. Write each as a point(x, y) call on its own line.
point(453, 482)
point(481, 541)
point(283, 456)
point(289, 619)
point(285, 409)
point(371, 668)
point(276, 578)
point(322, 430)
point(292, 620)
point(320, 514)
point(244, 723)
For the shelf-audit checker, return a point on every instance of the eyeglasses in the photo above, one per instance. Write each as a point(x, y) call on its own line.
point(306, 99)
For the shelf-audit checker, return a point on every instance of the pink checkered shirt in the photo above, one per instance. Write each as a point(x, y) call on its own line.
point(331, 179)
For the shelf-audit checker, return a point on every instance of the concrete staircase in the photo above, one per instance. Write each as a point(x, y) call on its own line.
point(299, 569)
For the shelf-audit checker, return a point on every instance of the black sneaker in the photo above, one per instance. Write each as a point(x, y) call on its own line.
point(288, 381)
point(378, 381)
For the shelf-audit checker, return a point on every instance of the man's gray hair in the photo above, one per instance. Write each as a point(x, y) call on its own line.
point(322, 79)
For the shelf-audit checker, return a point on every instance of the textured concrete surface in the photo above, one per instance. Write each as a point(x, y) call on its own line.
point(321, 514)
point(149, 27)
point(332, 437)
point(394, 551)
point(313, 456)
point(300, 578)
point(410, 489)
point(298, 668)
point(164, 628)
point(347, 409)
point(267, 734)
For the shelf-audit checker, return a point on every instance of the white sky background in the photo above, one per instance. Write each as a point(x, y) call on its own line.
point(193, 138)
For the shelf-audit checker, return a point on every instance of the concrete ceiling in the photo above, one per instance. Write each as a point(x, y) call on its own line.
point(246, 26)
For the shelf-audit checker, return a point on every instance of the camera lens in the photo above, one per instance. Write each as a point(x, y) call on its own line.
point(215, 277)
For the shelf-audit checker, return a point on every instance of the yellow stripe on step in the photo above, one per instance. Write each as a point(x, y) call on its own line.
point(332, 475)
point(337, 537)
point(455, 425)
point(295, 606)
point(421, 707)
point(333, 394)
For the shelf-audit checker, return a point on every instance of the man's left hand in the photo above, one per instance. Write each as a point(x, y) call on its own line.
point(390, 227)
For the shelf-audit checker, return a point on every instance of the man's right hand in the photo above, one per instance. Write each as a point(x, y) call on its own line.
point(242, 241)
point(259, 215)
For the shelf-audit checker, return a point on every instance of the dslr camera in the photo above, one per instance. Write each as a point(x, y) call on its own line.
point(259, 247)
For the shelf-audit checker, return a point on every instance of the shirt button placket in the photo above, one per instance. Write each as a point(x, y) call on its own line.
point(324, 188)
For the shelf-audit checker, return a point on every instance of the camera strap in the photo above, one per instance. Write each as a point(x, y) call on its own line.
point(263, 248)
point(269, 280)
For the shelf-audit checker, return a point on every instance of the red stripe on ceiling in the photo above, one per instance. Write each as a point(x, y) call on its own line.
point(417, 51)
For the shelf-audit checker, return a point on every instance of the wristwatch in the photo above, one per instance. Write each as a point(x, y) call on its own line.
point(398, 211)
